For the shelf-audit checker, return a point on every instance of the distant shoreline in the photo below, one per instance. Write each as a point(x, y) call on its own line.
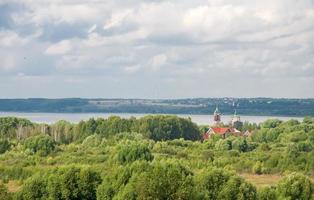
point(138, 113)
point(195, 106)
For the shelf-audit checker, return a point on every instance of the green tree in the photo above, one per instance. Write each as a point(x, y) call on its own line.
point(67, 183)
point(237, 189)
point(212, 182)
point(267, 193)
point(295, 186)
point(271, 123)
point(41, 144)
point(34, 188)
point(165, 182)
point(132, 152)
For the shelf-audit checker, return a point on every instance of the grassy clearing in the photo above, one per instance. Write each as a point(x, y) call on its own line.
point(262, 180)
point(13, 186)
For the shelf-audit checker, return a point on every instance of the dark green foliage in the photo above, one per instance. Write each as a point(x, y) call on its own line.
point(41, 144)
point(4, 145)
point(133, 152)
point(163, 127)
point(157, 127)
point(295, 186)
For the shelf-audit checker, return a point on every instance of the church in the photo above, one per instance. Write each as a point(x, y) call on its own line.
point(218, 128)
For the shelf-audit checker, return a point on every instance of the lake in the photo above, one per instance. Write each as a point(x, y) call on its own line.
point(76, 117)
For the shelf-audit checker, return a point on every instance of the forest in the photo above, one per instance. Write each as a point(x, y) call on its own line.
point(245, 106)
point(154, 157)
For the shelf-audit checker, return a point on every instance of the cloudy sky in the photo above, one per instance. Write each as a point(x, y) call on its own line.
point(156, 48)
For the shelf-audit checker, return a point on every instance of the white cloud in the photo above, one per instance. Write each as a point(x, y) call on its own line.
point(10, 38)
point(192, 43)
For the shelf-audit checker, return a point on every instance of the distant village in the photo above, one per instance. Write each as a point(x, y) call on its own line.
point(233, 128)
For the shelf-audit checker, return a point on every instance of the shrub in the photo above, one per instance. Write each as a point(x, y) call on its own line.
point(295, 186)
point(238, 189)
point(68, 183)
point(41, 144)
point(257, 168)
point(143, 180)
point(133, 152)
point(267, 193)
point(218, 184)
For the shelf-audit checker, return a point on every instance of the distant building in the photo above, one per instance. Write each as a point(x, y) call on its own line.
point(224, 132)
point(236, 121)
point(217, 117)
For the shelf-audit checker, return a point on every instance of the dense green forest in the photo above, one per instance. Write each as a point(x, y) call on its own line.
point(154, 157)
point(245, 106)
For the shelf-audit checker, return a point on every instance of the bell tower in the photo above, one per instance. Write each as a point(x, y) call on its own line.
point(217, 117)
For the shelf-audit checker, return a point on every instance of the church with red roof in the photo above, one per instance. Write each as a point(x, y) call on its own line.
point(219, 129)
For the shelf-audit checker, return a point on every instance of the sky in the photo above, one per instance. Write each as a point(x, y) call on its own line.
point(156, 48)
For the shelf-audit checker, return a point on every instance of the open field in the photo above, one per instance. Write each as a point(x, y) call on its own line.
point(263, 180)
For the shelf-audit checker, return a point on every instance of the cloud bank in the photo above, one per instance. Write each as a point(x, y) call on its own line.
point(156, 49)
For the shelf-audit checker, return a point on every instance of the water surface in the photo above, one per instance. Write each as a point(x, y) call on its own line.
point(76, 117)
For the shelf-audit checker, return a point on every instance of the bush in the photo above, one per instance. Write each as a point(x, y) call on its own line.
point(142, 180)
point(34, 188)
point(238, 189)
point(223, 144)
point(267, 193)
point(66, 183)
point(133, 152)
point(295, 186)
point(258, 168)
point(218, 184)
point(165, 181)
point(41, 144)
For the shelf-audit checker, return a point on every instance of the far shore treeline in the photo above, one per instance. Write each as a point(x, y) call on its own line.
point(154, 157)
point(245, 106)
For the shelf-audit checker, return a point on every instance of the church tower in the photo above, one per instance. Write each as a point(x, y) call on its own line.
point(217, 117)
point(236, 121)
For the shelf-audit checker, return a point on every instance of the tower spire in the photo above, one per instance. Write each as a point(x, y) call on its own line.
point(217, 118)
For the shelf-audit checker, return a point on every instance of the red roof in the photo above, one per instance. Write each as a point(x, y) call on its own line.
point(220, 130)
